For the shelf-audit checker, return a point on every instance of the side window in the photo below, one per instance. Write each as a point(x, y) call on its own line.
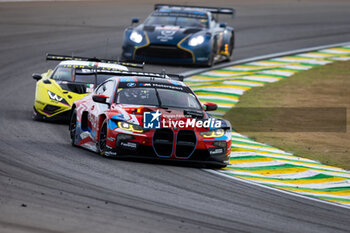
point(109, 90)
point(63, 74)
point(100, 89)
point(106, 88)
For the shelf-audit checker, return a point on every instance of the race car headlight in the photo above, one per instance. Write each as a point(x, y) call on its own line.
point(53, 96)
point(130, 127)
point(136, 37)
point(213, 133)
point(195, 41)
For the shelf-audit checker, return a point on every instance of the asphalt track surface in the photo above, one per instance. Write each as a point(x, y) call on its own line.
point(46, 185)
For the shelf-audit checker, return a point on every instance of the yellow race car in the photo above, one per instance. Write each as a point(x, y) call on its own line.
point(72, 79)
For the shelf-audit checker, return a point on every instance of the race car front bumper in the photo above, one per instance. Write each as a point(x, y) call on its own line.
point(61, 116)
point(180, 53)
point(184, 145)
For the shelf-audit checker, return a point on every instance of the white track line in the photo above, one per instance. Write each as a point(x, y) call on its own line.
point(264, 57)
point(276, 189)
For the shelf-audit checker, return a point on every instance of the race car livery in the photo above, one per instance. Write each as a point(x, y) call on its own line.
point(180, 34)
point(72, 79)
point(149, 115)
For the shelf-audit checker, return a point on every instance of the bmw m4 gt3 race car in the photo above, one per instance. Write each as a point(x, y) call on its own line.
point(57, 89)
point(180, 34)
point(149, 115)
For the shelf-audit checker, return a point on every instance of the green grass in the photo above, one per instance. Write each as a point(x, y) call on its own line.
point(258, 115)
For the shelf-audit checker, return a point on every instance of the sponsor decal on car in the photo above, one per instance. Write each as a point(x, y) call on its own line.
point(166, 86)
point(166, 35)
point(131, 84)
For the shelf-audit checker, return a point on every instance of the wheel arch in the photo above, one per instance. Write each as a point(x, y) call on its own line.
point(71, 114)
point(228, 35)
point(101, 119)
point(73, 108)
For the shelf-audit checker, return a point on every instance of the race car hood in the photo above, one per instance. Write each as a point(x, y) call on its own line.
point(169, 35)
point(56, 89)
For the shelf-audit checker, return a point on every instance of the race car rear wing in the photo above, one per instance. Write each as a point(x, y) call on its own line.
point(215, 10)
point(93, 59)
point(134, 73)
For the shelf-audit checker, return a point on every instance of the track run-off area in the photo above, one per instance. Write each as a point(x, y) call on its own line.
point(261, 163)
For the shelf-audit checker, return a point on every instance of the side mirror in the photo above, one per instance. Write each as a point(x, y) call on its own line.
point(210, 106)
point(100, 99)
point(223, 25)
point(36, 76)
point(134, 20)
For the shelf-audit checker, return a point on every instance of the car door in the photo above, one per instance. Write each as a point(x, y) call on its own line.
point(96, 109)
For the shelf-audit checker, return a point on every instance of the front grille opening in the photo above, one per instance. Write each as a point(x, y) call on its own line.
point(50, 109)
point(185, 143)
point(163, 51)
point(163, 142)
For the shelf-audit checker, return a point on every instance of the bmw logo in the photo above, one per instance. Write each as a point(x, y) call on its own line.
point(131, 84)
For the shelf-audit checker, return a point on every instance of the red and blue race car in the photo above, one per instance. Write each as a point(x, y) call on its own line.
point(149, 115)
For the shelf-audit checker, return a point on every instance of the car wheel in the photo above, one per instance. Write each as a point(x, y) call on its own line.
point(73, 127)
point(210, 62)
point(101, 145)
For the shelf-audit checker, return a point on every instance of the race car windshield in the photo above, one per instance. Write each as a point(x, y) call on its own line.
point(165, 97)
point(82, 82)
point(177, 99)
point(180, 21)
point(137, 96)
point(81, 76)
point(91, 78)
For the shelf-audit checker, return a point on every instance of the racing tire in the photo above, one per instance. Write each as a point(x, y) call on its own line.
point(102, 140)
point(73, 127)
point(210, 62)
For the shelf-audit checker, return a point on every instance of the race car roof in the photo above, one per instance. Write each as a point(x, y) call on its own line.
point(181, 13)
point(217, 10)
point(150, 79)
point(165, 83)
point(89, 64)
point(122, 73)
